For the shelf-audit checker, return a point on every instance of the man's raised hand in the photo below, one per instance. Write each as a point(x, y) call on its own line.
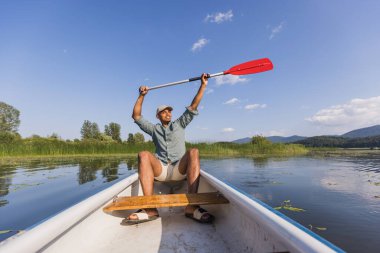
point(143, 90)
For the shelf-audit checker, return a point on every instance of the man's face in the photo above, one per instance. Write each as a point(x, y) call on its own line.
point(165, 116)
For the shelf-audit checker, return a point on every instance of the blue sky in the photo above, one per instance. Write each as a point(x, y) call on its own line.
point(63, 62)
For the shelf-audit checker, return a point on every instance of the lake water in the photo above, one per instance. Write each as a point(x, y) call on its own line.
point(340, 196)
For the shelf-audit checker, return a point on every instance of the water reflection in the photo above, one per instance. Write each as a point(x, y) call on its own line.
point(32, 173)
point(6, 174)
point(260, 162)
point(88, 170)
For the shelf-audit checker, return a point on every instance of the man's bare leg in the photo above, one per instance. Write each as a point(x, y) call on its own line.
point(149, 167)
point(190, 165)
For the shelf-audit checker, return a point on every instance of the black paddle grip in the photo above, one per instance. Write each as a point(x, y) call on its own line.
point(198, 78)
point(195, 79)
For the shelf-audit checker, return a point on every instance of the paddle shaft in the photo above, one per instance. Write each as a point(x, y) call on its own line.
point(245, 68)
point(184, 81)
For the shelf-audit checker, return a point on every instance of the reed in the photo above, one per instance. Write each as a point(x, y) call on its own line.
point(57, 147)
point(249, 149)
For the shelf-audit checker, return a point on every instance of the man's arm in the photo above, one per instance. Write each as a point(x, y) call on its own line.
point(198, 97)
point(136, 115)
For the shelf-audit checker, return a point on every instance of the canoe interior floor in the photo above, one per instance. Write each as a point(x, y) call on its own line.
point(181, 234)
point(172, 232)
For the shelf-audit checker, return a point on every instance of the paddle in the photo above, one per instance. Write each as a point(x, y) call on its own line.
point(246, 68)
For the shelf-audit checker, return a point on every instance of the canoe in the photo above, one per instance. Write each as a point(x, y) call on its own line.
point(245, 224)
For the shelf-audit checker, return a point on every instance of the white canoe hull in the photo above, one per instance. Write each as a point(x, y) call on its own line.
point(243, 225)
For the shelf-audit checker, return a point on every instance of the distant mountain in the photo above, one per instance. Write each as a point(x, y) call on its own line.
point(363, 137)
point(280, 139)
point(243, 140)
point(341, 142)
point(274, 139)
point(368, 137)
point(363, 132)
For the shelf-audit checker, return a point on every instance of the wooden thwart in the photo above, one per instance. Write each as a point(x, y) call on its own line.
point(168, 200)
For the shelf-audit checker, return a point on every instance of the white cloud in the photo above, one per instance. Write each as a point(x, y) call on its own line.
point(199, 44)
point(231, 101)
point(228, 130)
point(229, 79)
point(219, 17)
point(276, 30)
point(356, 113)
point(209, 91)
point(255, 106)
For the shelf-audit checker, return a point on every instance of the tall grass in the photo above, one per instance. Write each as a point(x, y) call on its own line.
point(248, 149)
point(56, 147)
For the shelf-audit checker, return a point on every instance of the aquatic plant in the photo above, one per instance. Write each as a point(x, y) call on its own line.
point(288, 206)
point(317, 228)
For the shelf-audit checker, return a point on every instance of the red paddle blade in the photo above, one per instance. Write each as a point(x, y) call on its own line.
point(250, 67)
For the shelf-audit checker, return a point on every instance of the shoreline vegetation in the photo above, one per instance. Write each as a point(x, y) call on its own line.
point(53, 147)
point(95, 143)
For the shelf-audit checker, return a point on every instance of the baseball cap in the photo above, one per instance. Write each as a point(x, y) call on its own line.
point(163, 107)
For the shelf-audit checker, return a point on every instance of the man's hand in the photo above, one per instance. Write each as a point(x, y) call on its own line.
point(204, 79)
point(143, 90)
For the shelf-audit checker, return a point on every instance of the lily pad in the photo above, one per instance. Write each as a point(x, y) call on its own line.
point(317, 228)
point(294, 209)
point(288, 206)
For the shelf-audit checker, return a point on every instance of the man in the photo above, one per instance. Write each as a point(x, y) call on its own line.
point(171, 161)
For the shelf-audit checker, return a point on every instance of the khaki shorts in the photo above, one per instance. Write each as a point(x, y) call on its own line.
point(170, 172)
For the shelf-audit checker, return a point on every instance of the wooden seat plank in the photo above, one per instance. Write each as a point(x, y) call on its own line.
point(165, 200)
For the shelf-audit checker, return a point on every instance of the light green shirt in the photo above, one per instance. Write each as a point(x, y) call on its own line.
point(170, 140)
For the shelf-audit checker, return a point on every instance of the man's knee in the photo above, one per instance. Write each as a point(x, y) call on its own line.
point(194, 153)
point(143, 156)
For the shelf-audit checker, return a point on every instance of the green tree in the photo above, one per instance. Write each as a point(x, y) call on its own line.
point(107, 130)
point(130, 140)
point(260, 141)
point(113, 130)
point(138, 138)
point(105, 138)
point(86, 130)
point(95, 132)
point(9, 137)
point(90, 130)
point(9, 118)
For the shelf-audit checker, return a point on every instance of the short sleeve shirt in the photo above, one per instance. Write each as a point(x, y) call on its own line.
point(169, 141)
